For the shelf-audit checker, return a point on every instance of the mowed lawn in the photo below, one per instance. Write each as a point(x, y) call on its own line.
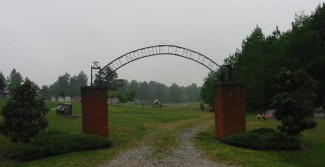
point(312, 156)
point(129, 125)
point(158, 127)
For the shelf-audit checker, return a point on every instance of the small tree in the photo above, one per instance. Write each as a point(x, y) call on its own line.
point(15, 80)
point(24, 113)
point(294, 101)
point(130, 95)
point(207, 90)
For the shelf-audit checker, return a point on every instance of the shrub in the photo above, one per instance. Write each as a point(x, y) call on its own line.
point(294, 101)
point(264, 139)
point(24, 113)
point(55, 143)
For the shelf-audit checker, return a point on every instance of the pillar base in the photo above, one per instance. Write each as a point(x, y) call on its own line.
point(229, 108)
point(94, 111)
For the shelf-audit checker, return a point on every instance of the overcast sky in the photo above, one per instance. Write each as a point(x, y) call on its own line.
point(43, 39)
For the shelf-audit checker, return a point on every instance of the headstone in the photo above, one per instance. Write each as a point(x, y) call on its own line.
point(64, 109)
point(60, 99)
point(53, 98)
point(319, 115)
point(67, 99)
point(113, 100)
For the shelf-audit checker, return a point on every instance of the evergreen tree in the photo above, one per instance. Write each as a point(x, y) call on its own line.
point(207, 90)
point(130, 95)
point(175, 93)
point(24, 113)
point(15, 80)
point(44, 92)
point(294, 101)
point(2, 81)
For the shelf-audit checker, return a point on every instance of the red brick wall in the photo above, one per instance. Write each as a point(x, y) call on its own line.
point(94, 111)
point(229, 110)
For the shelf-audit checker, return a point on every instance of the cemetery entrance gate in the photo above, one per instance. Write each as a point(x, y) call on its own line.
point(229, 99)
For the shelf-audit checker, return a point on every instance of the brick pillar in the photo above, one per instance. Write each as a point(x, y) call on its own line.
point(229, 106)
point(94, 110)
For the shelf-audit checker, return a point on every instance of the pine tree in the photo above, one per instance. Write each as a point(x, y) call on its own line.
point(24, 113)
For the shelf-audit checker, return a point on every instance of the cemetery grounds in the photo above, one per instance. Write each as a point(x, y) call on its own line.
point(130, 125)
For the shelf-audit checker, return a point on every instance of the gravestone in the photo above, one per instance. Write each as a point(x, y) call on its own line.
point(53, 98)
point(64, 109)
point(113, 100)
point(60, 99)
point(67, 99)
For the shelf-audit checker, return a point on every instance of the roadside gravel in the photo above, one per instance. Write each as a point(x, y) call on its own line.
point(184, 155)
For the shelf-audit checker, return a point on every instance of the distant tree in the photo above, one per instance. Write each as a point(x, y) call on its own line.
point(82, 79)
point(134, 84)
point(192, 92)
point(24, 113)
point(2, 81)
point(144, 91)
point(175, 93)
point(74, 88)
point(207, 90)
point(108, 78)
point(125, 87)
point(131, 94)
point(158, 91)
point(294, 101)
point(67, 85)
point(54, 89)
point(15, 80)
point(76, 82)
point(63, 84)
point(44, 91)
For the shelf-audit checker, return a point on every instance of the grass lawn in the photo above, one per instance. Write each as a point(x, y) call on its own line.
point(129, 125)
point(313, 155)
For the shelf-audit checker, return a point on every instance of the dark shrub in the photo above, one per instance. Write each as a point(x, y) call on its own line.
point(24, 113)
point(264, 139)
point(55, 143)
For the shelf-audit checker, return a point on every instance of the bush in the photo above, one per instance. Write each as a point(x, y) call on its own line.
point(24, 113)
point(264, 139)
point(293, 101)
point(55, 143)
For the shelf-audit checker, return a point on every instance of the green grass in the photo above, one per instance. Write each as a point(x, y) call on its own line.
point(313, 155)
point(128, 124)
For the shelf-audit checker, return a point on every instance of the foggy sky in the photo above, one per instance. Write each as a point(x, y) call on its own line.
point(43, 39)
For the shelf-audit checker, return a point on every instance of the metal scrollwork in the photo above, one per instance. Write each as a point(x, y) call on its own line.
point(163, 48)
point(95, 69)
point(95, 64)
point(162, 42)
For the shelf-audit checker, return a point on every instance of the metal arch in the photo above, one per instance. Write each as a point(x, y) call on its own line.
point(155, 54)
point(104, 75)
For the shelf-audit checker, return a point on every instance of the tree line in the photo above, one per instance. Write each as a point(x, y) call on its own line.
point(150, 91)
point(284, 71)
point(262, 57)
point(68, 85)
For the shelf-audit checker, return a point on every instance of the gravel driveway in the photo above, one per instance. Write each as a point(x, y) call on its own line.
point(184, 155)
